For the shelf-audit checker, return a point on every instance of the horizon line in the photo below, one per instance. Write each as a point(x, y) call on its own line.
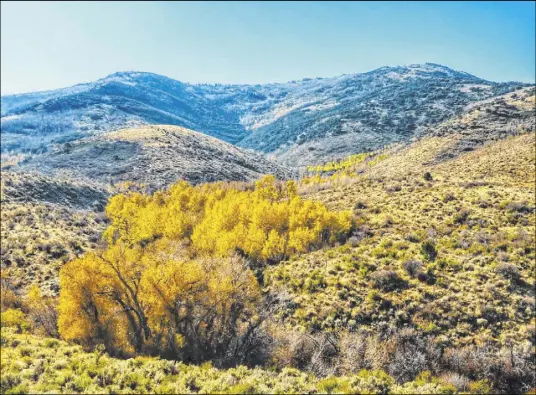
point(260, 84)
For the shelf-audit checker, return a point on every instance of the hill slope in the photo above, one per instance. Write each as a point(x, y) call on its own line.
point(381, 301)
point(312, 119)
point(437, 279)
point(52, 204)
point(47, 221)
point(468, 231)
point(155, 156)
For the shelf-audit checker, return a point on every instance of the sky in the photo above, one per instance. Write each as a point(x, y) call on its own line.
point(49, 45)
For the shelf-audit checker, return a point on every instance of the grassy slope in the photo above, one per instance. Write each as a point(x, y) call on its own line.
point(47, 221)
point(464, 298)
point(31, 364)
point(468, 302)
point(156, 156)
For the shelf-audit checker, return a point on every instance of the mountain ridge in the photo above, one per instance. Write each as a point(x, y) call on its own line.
point(130, 72)
point(333, 116)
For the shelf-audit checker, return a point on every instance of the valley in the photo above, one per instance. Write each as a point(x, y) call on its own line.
point(369, 233)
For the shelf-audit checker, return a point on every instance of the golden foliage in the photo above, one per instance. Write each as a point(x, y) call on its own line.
point(14, 318)
point(267, 223)
point(169, 279)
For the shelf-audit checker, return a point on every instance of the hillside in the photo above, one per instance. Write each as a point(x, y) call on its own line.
point(447, 220)
point(35, 365)
point(301, 121)
point(52, 204)
point(404, 270)
point(477, 212)
point(155, 156)
point(409, 293)
point(47, 221)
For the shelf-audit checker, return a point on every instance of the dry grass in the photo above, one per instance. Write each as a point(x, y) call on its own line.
point(156, 156)
point(478, 211)
point(45, 223)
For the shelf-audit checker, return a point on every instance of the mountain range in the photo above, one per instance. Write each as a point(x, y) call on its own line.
point(430, 289)
point(296, 123)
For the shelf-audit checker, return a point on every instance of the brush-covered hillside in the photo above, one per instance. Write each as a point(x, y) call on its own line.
point(52, 205)
point(404, 270)
point(47, 221)
point(155, 157)
point(447, 248)
point(431, 290)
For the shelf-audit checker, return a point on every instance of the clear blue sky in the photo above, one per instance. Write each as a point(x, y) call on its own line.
point(51, 45)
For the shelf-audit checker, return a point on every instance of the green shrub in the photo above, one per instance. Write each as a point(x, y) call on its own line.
point(51, 343)
point(480, 387)
point(243, 388)
point(428, 250)
point(508, 271)
point(333, 385)
point(386, 280)
point(461, 216)
point(412, 267)
point(9, 381)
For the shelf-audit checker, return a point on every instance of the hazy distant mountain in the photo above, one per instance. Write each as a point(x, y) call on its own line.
point(301, 121)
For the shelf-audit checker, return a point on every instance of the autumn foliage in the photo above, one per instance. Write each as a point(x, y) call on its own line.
point(174, 278)
point(266, 224)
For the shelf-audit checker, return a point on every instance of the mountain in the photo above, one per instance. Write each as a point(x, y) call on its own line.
point(154, 156)
point(331, 118)
point(432, 292)
point(311, 120)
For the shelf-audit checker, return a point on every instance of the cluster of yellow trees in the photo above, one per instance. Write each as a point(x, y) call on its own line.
point(173, 277)
point(266, 224)
point(346, 163)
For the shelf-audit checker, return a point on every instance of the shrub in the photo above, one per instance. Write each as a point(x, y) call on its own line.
point(480, 387)
point(51, 343)
point(374, 296)
point(428, 250)
point(448, 197)
point(460, 382)
point(243, 388)
point(14, 318)
point(462, 216)
point(520, 207)
point(412, 267)
point(508, 271)
point(330, 385)
point(42, 311)
point(423, 277)
point(8, 382)
point(353, 241)
point(360, 205)
point(386, 280)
